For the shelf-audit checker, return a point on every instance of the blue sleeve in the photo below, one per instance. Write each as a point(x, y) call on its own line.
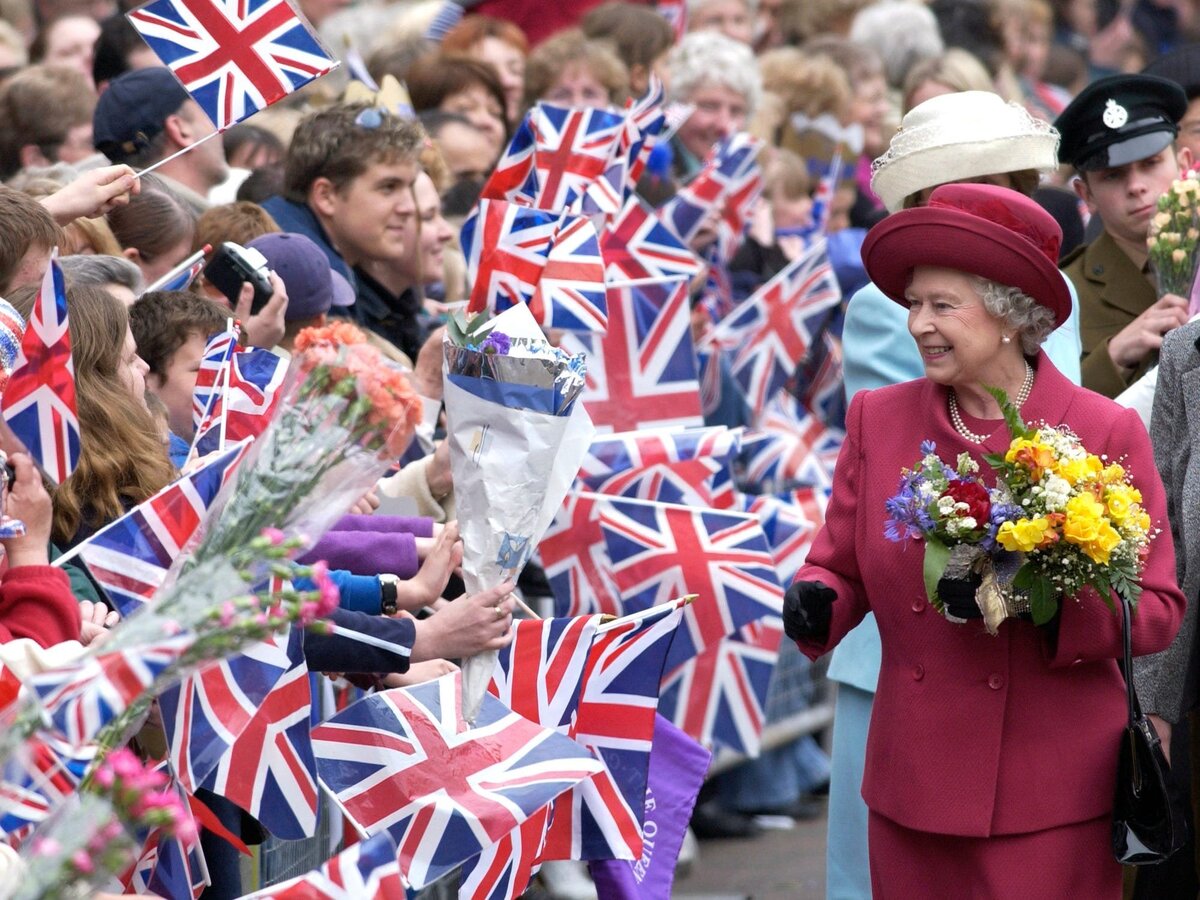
point(361, 644)
point(177, 449)
point(360, 593)
point(1063, 346)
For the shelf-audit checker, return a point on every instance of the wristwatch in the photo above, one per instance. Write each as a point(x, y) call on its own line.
point(389, 593)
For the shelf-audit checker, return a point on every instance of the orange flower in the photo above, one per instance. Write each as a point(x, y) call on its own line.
point(336, 333)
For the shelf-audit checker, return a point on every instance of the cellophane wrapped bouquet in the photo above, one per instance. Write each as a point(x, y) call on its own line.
point(517, 438)
point(345, 415)
point(1059, 519)
point(1174, 237)
point(98, 832)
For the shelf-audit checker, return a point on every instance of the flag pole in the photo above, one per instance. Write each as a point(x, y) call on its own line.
point(166, 159)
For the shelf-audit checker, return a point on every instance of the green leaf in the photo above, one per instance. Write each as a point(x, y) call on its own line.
point(1012, 416)
point(1042, 604)
point(937, 555)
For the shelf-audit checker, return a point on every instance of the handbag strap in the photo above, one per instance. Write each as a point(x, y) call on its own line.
point(1135, 708)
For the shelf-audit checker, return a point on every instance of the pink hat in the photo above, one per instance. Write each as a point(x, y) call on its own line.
point(993, 232)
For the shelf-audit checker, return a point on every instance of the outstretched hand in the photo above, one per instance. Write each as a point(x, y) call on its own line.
point(467, 626)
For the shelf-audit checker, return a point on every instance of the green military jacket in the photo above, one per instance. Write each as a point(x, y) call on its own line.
point(1112, 293)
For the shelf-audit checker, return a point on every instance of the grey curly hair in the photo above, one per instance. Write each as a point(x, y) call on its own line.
point(1029, 319)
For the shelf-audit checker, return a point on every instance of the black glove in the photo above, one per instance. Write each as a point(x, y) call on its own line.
point(807, 609)
point(958, 596)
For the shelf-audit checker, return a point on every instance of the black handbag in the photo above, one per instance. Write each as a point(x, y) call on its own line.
point(1147, 826)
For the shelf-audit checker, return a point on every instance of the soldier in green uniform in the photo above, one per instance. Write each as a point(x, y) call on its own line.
point(1119, 134)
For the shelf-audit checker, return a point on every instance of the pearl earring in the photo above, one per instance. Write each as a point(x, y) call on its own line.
point(1006, 339)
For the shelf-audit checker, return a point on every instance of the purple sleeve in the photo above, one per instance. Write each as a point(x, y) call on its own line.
point(417, 526)
point(367, 552)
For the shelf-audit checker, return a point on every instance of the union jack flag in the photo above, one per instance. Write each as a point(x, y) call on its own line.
point(691, 466)
point(39, 401)
point(773, 330)
point(636, 245)
point(367, 870)
point(660, 551)
point(404, 760)
point(790, 522)
point(643, 373)
point(819, 382)
point(570, 290)
point(514, 178)
point(538, 676)
point(168, 866)
point(234, 57)
point(504, 869)
point(792, 447)
point(602, 817)
point(269, 770)
point(207, 712)
point(131, 556)
point(43, 772)
point(675, 12)
point(823, 197)
point(506, 246)
point(572, 149)
point(576, 565)
point(181, 277)
point(730, 172)
point(85, 696)
point(720, 697)
point(246, 402)
point(210, 379)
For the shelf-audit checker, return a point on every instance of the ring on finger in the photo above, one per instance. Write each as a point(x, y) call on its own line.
point(500, 613)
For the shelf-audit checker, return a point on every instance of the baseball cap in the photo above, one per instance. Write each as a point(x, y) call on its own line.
point(133, 110)
point(312, 286)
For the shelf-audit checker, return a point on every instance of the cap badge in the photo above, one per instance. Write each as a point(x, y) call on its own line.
point(1114, 114)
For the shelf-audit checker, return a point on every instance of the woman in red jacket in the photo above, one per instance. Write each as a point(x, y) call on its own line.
point(991, 760)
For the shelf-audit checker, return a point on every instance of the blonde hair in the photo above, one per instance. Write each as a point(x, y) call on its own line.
point(957, 69)
point(122, 460)
point(90, 235)
point(570, 47)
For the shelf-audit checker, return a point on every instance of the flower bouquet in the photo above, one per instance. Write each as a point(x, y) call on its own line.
point(517, 438)
point(1174, 236)
point(98, 832)
point(1060, 519)
point(345, 415)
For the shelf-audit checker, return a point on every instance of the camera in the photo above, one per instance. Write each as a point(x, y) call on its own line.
point(232, 266)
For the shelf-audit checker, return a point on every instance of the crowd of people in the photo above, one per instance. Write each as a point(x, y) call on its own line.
point(984, 174)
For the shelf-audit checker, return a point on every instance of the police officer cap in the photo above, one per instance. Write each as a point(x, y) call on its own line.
point(1118, 120)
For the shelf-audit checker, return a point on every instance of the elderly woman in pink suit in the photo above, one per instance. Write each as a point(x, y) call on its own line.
point(991, 760)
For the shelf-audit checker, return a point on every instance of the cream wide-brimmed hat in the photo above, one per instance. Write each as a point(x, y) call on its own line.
point(954, 137)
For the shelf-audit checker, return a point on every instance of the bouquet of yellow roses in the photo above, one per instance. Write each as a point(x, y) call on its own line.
point(1081, 522)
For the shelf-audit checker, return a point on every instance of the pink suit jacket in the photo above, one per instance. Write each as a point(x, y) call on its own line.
point(972, 734)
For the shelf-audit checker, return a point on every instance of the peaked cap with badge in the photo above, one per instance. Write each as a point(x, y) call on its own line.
point(1113, 122)
point(1118, 120)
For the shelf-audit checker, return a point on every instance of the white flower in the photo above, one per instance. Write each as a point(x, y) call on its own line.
point(967, 523)
point(945, 505)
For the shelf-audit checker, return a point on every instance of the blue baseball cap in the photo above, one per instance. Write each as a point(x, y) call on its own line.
point(133, 110)
point(312, 286)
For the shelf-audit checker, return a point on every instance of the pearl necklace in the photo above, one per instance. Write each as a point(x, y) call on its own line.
point(956, 418)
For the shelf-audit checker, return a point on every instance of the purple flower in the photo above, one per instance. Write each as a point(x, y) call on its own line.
point(496, 344)
point(928, 447)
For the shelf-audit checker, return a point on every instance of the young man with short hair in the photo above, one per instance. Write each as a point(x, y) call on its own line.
point(1119, 134)
point(348, 181)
